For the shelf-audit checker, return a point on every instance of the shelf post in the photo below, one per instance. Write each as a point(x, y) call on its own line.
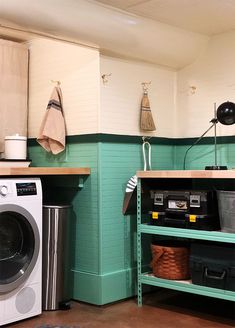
point(139, 250)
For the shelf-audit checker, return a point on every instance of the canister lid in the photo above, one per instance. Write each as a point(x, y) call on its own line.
point(15, 137)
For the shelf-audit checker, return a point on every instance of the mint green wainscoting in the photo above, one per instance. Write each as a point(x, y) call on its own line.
point(102, 240)
point(84, 223)
point(203, 154)
point(118, 162)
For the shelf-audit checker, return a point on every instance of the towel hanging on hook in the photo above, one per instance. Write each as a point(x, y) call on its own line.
point(52, 130)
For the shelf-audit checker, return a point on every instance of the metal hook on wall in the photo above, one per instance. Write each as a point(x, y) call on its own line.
point(105, 77)
point(193, 89)
point(58, 83)
point(145, 86)
point(146, 138)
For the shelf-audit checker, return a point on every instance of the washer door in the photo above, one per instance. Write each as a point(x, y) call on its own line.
point(19, 246)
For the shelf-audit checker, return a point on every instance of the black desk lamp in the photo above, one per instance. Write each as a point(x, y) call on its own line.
point(225, 114)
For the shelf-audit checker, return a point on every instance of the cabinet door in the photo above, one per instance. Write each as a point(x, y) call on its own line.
point(13, 89)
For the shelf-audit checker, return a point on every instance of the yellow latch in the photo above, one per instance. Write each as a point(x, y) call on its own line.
point(192, 218)
point(155, 215)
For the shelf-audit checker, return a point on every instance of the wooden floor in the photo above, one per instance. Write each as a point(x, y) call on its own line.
point(161, 309)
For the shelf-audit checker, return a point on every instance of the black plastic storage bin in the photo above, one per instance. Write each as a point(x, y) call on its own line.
point(213, 265)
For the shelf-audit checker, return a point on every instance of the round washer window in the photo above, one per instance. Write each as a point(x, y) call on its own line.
point(19, 247)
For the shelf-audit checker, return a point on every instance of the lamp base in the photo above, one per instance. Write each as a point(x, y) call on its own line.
point(216, 167)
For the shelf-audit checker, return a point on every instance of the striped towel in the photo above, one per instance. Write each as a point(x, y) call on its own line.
point(131, 184)
point(52, 131)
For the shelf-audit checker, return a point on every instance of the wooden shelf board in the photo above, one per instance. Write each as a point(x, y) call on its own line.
point(12, 171)
point(191, 174)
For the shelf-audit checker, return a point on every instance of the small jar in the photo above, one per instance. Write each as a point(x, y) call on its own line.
point(15, 147)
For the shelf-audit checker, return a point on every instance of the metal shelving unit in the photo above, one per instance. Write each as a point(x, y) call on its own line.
point(185, 286)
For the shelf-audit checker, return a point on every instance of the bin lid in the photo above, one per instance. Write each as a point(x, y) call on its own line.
point(57, 206)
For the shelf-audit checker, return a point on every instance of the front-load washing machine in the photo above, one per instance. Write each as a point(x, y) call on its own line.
point(20, 248)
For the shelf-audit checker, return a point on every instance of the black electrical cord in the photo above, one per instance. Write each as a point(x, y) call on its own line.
point(214, 121)
point(225, 114)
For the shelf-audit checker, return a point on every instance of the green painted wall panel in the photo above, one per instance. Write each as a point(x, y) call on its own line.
point(102, 239)
point(119, 163)
point(202, 155)
point(85, 215)
point(103, 252)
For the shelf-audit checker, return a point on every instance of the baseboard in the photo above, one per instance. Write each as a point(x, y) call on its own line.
point(103, 289)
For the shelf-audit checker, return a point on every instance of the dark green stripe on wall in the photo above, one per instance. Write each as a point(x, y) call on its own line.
point(114, 138)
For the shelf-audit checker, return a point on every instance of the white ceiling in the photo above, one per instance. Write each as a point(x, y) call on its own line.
point(155, 31)
point(203, 16)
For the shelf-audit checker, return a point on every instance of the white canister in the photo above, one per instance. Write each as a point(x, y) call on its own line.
point(15, 147)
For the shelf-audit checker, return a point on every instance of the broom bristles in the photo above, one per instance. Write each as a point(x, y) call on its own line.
point(146, 121)
point(146, 118)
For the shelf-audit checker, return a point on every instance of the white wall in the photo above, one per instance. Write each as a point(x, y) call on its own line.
point(92, 106)
point(213, 75)
point(121, 97)
point(77, 68)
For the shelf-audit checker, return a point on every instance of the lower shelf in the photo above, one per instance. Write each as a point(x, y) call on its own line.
point(186, 286)
point(188, 233)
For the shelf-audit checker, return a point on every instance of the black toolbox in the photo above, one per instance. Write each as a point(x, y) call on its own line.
point(212, 264)
point(190, 209)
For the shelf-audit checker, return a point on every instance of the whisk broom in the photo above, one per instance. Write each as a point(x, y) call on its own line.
point(146, 118)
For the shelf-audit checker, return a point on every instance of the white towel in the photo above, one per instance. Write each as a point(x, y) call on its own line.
point(52, 131)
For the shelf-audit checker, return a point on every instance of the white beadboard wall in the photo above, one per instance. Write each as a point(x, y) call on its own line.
point(91, 106)
point(213, 75)
point(77, 68)
point(121, 97)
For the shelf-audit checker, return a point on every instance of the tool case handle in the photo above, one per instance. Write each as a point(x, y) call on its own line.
point(208, 275)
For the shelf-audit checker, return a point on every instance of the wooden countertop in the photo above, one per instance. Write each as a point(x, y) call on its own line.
point(11, 171)
point(193, 174)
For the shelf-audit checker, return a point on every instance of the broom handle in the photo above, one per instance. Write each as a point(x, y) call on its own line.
point(146, 143)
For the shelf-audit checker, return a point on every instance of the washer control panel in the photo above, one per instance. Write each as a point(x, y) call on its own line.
point(26, 189)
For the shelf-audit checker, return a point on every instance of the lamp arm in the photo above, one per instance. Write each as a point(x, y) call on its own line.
point(214, 121)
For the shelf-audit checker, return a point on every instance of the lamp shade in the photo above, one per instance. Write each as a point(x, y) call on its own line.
point(226, 113)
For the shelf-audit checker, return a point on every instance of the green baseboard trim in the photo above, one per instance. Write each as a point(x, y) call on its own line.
point(104, 289)
point(118, 285)
point(86, 287)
